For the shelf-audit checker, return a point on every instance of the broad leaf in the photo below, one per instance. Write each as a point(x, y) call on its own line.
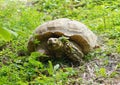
point(5, 34)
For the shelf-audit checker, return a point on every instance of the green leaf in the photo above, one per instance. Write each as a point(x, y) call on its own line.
point(33, 59)
point(50, 69)
point(13, 33)
point(56, 67)
point(113, 74)
point(5, 34)
point(103, 72)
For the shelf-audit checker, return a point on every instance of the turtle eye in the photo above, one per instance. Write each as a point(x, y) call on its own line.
point(55, 39)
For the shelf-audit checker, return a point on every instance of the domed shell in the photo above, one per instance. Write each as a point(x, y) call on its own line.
point(76, 31)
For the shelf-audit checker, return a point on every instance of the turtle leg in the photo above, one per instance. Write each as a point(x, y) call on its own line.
point(73, 51)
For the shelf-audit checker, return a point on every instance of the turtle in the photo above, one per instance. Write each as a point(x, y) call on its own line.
point(63, 37)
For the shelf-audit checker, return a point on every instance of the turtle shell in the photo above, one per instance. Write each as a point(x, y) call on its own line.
point(76, 31)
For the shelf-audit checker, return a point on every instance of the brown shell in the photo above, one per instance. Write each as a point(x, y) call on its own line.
point(75, 30)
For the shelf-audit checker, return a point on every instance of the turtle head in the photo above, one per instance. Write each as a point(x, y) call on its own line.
point(54, 43)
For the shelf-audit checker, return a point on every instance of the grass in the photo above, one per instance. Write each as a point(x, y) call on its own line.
point(101, 66)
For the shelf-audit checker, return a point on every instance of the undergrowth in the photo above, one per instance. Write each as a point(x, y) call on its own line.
point(17, 67)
